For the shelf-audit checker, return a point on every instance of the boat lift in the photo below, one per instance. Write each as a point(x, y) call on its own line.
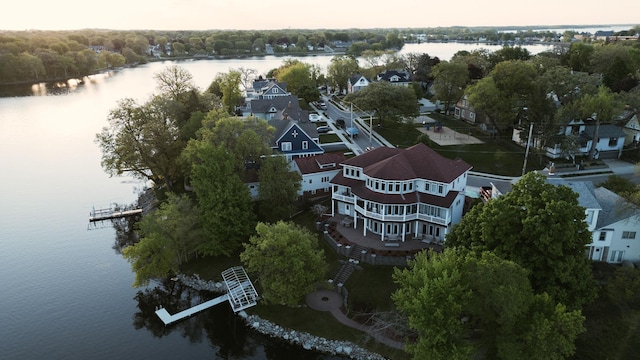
point(240, 294)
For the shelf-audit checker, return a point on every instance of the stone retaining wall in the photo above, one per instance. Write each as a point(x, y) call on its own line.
point(265, 327)
point(366, 256)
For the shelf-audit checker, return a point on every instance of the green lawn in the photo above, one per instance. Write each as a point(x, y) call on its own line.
point(495, 156)
point(328, 138)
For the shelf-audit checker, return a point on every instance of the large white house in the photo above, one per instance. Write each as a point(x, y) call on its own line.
point(616, 236)
point(613, 223)
point(401, 194)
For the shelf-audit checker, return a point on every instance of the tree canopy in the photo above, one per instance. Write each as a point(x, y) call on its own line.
point(142, 140)
point(387, 100)
point(278, 189)
point(224, 200)
point(169, 236)
point(463, 304)
point(287, 261)
point(539, 226)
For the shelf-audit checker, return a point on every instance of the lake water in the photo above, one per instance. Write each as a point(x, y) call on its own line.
point(65, 292)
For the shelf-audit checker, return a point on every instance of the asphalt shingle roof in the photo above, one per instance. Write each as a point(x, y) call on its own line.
point(416, 162)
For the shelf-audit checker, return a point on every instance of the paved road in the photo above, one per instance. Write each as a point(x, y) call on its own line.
point(365, 139)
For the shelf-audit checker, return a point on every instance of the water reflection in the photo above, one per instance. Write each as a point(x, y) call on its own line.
point(218, 325)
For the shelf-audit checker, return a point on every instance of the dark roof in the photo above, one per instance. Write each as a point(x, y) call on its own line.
point(387, 75)
point(283, 125)
point(360, 189)
point(614, 207)
point(319, 163)
point(261, 106)
point(355, 78)
point(605, 131)
point(416, 162)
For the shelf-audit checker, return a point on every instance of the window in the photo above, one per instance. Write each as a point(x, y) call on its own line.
point(440, 189)
point(286, 146)
point(613, 141)
point(628, 234)
point(603, 236)
point(305, 145)
point(589, 216)
point(616, 256)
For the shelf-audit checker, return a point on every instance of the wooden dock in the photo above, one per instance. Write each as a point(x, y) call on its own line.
point(108, 214)
point(167, 318)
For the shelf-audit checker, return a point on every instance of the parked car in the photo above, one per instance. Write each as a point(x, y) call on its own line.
point(314, 117)
point(323, 129)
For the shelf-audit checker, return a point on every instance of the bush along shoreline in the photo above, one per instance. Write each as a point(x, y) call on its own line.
point(265, 327)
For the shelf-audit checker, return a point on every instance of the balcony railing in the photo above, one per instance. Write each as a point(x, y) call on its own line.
point(408, 217)
point(343, 196)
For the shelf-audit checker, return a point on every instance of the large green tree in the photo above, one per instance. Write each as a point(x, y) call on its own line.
point(463, 304)
point(389, 102)
point(142, 140)
point(340, 69)
point(450, 81)
point(540, 226)
point(227, 87)
point(224, 199)
point(287, 261)
point(504, 92)
point(299, 80)
point(169, 237)
point(278, 189)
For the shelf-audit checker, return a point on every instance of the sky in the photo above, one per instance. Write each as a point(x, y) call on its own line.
point(307, 14)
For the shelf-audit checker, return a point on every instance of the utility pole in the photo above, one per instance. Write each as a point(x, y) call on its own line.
point(351, 131)
point(526, 153)
point(370, 129)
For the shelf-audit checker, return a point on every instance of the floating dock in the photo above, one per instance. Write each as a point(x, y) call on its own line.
point(167, 318)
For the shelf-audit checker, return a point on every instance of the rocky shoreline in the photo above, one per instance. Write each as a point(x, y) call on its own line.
point(303, 339)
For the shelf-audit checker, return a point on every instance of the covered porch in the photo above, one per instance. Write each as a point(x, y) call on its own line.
point(349, 234)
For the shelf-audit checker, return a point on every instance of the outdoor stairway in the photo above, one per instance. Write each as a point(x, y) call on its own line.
point(356, 251)
point(345, 271)
point(349, 266)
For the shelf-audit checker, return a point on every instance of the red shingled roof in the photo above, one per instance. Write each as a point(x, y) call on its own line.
point(311, 164)
point(416, 162)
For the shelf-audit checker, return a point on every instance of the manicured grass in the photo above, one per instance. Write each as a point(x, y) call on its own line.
point(363, 284)
point(328, 138)
point(495, 156)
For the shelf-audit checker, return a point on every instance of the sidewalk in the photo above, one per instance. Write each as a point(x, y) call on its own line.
point(329, 300)
point(613, 166)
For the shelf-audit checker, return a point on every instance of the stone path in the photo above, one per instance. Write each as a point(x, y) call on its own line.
point(329, 300)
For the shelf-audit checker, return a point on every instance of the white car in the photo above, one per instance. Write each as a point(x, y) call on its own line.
point(314, 117)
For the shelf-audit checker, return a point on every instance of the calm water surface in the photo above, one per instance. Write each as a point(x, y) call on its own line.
point(65, 292)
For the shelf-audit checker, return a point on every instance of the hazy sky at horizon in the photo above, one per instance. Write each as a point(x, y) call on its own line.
point(325, 14)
